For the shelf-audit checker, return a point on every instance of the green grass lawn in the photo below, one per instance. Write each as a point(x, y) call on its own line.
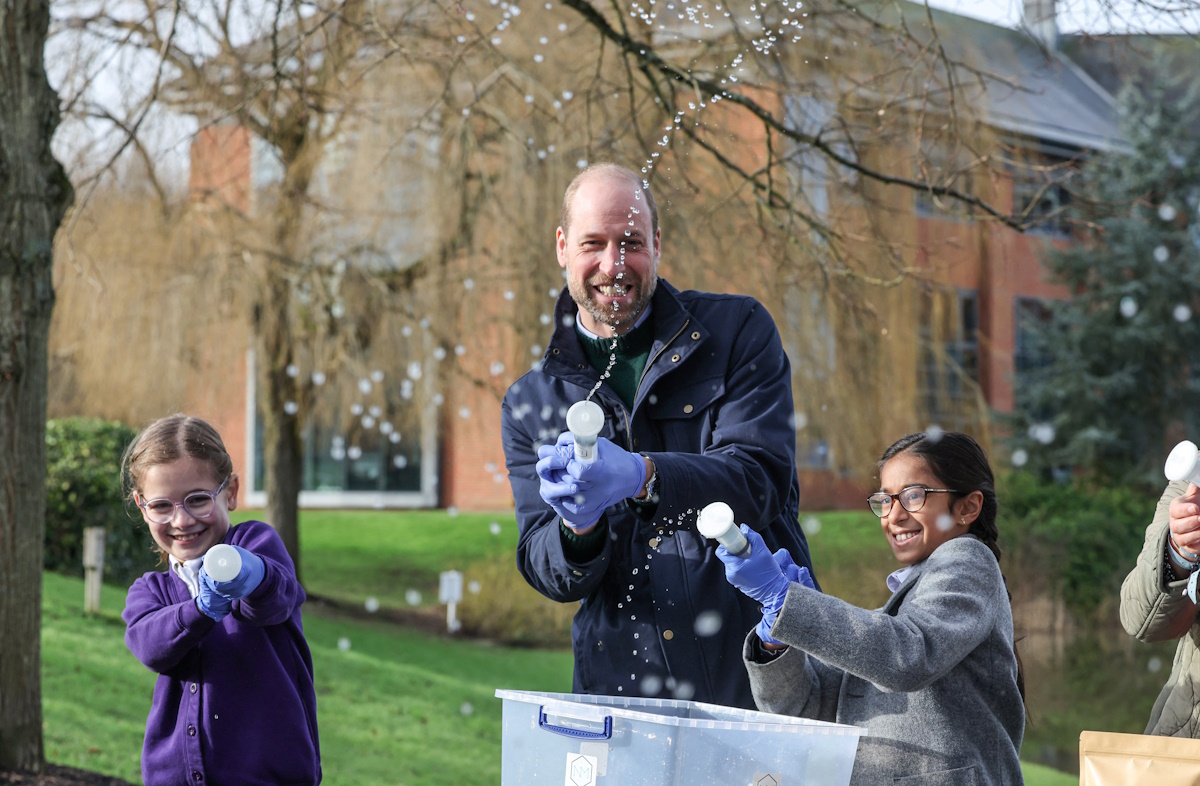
point(398, 706)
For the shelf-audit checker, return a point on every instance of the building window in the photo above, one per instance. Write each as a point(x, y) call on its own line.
point(948, 378)
point(356, 454)
point(944, 164)
point(1040, 193)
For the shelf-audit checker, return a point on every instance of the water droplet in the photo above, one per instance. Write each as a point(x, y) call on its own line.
point(372, 605)
point(935, 433)
point(364, 385)
point(1019, 458)
point(344, 644)
point(368, 422)
point(293, 370)
point(474, 587)
point(412, 597)
point(291, 407)
point(945, 522)
point(708, 623)
point(1182, 313)
point(318, 378)
point(467, 708)
point(494, 527)
point(811, 525)
point(1161, 254)
point(1166, 211)
point(1129, 307)
point(354, 452)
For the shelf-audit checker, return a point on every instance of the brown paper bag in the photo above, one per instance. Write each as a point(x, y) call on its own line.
point(1110, 759)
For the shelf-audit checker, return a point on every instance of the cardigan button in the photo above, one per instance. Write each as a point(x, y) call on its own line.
point(196, 776)
point(687, 409)
point(696, 336)
point(194, 687)
point(191, 730)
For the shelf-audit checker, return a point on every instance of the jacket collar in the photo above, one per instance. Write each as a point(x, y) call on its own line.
point(565, 357)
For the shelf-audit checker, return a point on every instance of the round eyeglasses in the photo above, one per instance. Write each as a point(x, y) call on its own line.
point(911, 499)
point(198, 504)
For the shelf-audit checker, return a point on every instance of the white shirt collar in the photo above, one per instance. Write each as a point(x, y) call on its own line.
point(188, 572)
point(897, 578)
point(579, 324)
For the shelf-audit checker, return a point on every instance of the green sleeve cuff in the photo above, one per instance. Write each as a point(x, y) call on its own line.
point(583, 548)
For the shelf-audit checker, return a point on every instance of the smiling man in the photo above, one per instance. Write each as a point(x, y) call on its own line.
point(696, 393)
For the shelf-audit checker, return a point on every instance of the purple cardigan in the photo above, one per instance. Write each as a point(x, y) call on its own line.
point(234, 702)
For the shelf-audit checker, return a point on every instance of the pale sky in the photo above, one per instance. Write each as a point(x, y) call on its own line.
point(1094, 16)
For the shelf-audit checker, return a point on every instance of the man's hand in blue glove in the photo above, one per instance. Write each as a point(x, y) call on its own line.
point(615, 475)
point(558, 488)
point(212, 603)
point(247, 579)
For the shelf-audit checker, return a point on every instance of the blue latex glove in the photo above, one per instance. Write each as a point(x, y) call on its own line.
point(211, 603)
point(558, 488)
point(795, 575)
point(758, 575)
point(615, 475)
point(247, 579)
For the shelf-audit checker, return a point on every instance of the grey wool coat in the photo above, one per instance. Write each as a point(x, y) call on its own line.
point(1155, 608)
point(931, 676)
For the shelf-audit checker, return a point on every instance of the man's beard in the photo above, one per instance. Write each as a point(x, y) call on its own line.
point(615, 319)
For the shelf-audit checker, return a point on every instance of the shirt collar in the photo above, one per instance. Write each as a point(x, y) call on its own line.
point(896, 578)
point(188, 572)
point(589, 334)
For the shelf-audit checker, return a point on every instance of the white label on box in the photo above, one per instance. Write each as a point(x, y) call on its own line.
point(767, 779)
point(581, 770)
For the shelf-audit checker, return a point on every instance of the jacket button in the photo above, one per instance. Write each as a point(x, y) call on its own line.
point(668, 635)
point(577, 573)
point(191, 730)
point(556, 352)
point(696, 336)
point(582, 366)
point(635, 442)
point(687, 409)
point(674, 358)
point(194, 687)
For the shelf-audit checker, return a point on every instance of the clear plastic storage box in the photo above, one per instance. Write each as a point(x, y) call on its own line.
point(578, 740)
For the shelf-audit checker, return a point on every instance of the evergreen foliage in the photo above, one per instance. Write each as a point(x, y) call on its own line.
point(1116, 362)
point(83, 489)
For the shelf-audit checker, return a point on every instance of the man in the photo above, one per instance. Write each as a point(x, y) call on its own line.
point(696, 391)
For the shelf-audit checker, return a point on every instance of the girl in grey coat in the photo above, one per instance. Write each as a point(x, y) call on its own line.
point(933, 675)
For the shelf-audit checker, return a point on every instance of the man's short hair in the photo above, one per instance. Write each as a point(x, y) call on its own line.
point(608, 169)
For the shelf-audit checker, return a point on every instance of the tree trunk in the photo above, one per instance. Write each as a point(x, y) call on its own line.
point(282, 454)
point(34, 195)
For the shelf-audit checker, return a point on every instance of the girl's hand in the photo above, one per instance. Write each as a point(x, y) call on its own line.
point(212, 603)
point(1184, 512)
point(247, 579)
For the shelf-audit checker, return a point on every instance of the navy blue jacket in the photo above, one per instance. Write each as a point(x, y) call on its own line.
point(714, 412)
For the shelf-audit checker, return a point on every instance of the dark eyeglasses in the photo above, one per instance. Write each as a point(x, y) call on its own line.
point(911, 499)
point(198, 504)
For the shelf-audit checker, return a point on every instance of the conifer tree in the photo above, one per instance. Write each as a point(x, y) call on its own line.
point(1116, 364)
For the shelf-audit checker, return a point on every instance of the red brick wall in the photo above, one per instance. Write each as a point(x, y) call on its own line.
point(220, 166)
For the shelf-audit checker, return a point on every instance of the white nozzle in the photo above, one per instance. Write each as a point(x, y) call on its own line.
point(1182, 463)
point(716, 522)
point(584, 421)
point(222, 563)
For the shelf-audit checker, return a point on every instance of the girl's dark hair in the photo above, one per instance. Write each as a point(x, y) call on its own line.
point(170, 439)
point(959, 463)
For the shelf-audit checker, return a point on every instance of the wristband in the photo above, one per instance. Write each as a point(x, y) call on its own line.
point(1175, 553)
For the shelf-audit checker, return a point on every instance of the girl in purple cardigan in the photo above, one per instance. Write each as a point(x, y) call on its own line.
point(234, 702)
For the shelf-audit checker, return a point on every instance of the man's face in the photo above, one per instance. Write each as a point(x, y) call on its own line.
point(609, 253)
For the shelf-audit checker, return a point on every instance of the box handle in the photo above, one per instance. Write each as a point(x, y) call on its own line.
point(579, 734)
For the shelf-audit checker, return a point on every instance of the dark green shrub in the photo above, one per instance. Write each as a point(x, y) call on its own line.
point(1081, 538)
point(83, 489)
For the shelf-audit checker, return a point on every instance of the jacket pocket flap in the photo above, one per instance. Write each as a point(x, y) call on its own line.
point(688, 400)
